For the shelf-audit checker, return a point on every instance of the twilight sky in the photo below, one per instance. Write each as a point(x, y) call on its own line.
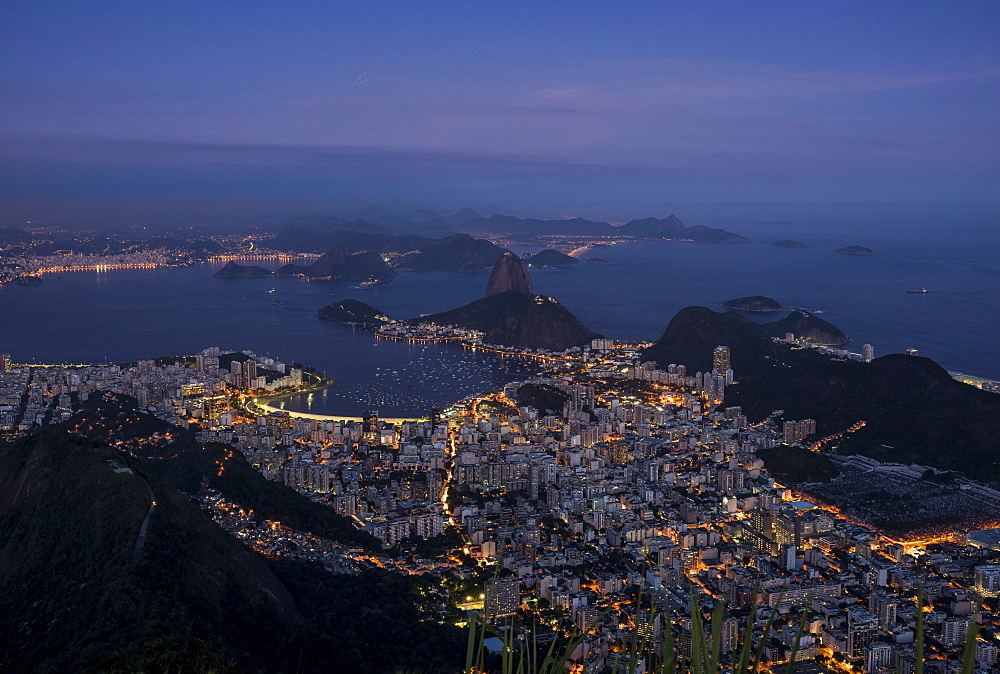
point(178, 110)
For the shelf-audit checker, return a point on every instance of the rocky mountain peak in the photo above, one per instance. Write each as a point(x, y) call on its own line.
point(509, 273)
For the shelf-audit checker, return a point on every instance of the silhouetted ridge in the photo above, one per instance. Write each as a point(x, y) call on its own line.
point(551, 258)
point(914, 411)
point(806, 327)
point(460, 253)
point(352, 312)
point(234, 270)
point(512, 318)
point(327, 263)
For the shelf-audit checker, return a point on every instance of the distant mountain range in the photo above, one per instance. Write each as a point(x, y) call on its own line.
point(320, 233)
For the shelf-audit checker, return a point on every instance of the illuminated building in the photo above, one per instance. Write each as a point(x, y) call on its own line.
point(214, 406)
point(954, 630)
point(867, 353)
point(371, 426)
point(794, 431)
point(984, 538)
point(4, 362)
point(883, 606)
point(987, 581)
point(503, 596)
point(720, 360)
point(799, 595)
point(862, 629)
point(877, 656)
point(986, 653)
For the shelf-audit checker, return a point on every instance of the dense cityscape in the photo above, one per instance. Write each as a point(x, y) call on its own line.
point(500, 338)
point(563, 500)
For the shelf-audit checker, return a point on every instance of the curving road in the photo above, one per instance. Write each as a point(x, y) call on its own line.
point(141, 538)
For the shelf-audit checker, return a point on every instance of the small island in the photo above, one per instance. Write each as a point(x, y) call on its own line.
point(551, 259)
point(752, 303)
point(353, 313)
point(788, 243)
point(855, 250)
point(234, 270)
point(597, 260)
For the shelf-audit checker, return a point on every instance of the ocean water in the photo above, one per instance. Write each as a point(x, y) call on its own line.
point(126, 315)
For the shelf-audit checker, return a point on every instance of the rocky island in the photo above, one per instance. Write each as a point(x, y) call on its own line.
point(788, 243)
point(855, 250)
point(551, 259)
point(234, 270)
point(752, 303)
point(353, 313)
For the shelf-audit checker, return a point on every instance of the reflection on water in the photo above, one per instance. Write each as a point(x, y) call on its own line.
point(435, 374)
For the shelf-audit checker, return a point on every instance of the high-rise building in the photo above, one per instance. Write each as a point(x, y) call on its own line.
point(868, 353)
point(371, 426)
point(987, 580)
point(4, 361)
point(954, 630)
point(249, 377)
point(720, 360)
point(793, 431)
point(215, 406)
point(884, 606)
point(503, 596)
point(862, 629)
point(877, 656)
point(986, 653)
point(602, 344)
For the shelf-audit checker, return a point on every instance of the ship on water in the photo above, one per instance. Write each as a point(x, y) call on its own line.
point(922, 291)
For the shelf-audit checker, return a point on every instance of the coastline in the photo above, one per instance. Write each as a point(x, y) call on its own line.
point(266, 403)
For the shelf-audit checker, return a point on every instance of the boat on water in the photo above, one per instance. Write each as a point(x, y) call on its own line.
point(271, 291)
point(922, 291)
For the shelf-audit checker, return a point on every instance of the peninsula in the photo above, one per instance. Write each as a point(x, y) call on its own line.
point(353, 313)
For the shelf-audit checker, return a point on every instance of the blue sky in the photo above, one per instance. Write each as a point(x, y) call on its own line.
point(121, 110)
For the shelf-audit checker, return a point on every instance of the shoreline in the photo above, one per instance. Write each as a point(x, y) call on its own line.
point(266, 403)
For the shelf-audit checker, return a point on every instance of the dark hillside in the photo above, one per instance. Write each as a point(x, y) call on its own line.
point(69, 526)
point(914, 411)
point(71, 510)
